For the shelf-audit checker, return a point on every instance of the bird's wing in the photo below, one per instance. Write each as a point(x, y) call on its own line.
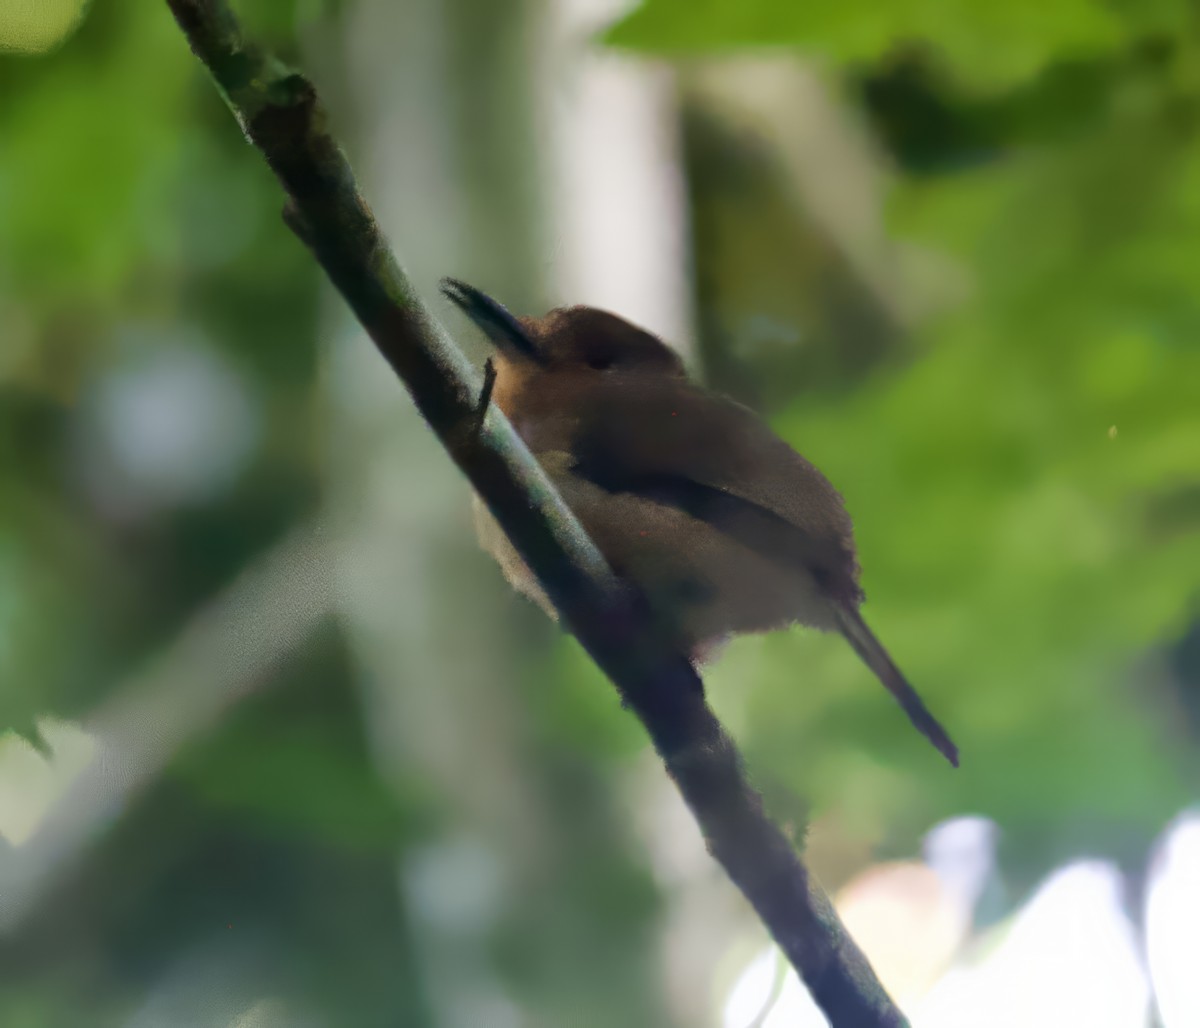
point(718, 461)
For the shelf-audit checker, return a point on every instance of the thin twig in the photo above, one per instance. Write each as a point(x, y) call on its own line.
point(279, 112)
point(485, 395)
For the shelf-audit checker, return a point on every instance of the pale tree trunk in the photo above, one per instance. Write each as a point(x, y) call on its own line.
point(435, 645)
point(460, 165)
point(618, 201)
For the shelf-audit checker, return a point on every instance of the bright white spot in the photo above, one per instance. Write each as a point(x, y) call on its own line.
point(173, 425)
point(454, 885)
point(962, 852)
point(906, 922)
point(30, 783)
point(757, 988)
point(483, 1006)
point(265, 1013)
point(1173, 923)
point(1068, 957)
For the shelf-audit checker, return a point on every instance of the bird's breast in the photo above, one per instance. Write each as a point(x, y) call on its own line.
point(702, 584)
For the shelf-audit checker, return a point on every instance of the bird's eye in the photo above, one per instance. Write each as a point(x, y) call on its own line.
point(600, 361)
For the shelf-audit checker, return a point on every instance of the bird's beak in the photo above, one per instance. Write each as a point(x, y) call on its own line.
point(504, 330)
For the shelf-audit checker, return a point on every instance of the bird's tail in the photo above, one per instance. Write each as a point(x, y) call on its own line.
point(870, 649)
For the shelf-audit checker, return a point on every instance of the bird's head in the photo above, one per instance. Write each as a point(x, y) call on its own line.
point(580, 340)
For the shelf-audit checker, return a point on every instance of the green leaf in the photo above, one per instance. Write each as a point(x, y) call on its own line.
point(1009, 489)
point(994, 44)
point(36, 28)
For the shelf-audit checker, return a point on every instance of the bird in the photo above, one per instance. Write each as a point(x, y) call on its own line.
point(688, 494)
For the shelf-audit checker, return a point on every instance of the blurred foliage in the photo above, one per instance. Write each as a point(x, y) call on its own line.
point(115, 230)
point(781, 310)
point(248, 871)
point(1024, 470)
point(269, 860)
point(134, 222)
point(993, 46)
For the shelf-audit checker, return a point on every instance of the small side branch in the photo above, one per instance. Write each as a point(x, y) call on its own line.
point(280, 114)
point(485, 395)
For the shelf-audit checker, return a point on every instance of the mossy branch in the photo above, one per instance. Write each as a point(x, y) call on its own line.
point(280, 114)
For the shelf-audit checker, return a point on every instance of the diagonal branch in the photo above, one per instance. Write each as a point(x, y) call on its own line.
point(280, 114)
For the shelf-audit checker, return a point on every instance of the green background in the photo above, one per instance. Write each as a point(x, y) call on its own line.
point(1022, 462)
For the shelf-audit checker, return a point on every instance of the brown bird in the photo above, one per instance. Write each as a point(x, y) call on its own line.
point(688, 494)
